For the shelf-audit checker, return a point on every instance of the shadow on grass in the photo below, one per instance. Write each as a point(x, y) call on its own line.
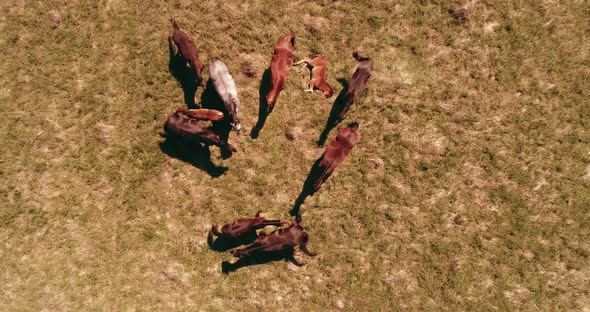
point(185, 76)
point(264, 89)
point(192, 153)
point(224, 243)
point(308, 190)
point(258, 258)
point(210, 99)
point(340, 106)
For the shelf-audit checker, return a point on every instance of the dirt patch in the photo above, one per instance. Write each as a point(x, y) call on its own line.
point(293, 133)
point(252, 66)
point(54, 17)
point(104, 132)
point(427, 140)
point(517, 295)
point(586, 176)
point(313, 24)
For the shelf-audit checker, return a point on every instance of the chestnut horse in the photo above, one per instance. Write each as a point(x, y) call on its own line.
point(317, 67)
point(282, 60)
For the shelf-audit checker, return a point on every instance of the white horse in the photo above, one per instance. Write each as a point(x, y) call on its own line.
point(227, 90)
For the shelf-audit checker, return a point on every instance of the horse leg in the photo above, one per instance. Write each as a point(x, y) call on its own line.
point(273, 222)
point(310, 87)
point(292, 259)
point(300, 62)
point(306, 251)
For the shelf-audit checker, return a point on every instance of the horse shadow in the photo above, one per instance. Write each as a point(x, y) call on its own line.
point(185, 76)
point(224, 243)
point(210, 99)
point(257, 259)
point(308, 189)
point(265, 86)
point(195, 154)
point(338, 106)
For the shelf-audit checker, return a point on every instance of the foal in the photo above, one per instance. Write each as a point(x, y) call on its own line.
point(317, 67)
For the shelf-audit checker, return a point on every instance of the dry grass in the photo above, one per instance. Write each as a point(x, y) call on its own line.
point(468, 190)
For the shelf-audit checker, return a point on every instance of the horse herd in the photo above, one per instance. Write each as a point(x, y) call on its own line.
point(183, 126)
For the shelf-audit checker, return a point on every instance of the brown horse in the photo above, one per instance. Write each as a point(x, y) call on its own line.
point(357, 83)
point(202, 113)
point(278, 241)
point(321, 170)
point(189, 130)
point(317, 67)
point(336, 153)
point(188, 50)
point(243, 226)
point(282, 60)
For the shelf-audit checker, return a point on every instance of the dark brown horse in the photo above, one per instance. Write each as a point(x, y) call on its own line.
point(357, 83)
point(350, 94)
point(189, 130)
point(188, 50)
point(278, 241)
point(282, 60)
point(242, 227)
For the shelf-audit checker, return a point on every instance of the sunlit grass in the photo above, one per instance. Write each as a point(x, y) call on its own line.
point(469, 187)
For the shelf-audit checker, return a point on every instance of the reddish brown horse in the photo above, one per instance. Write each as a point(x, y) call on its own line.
point(318, 80)
point(336, 153)
point(189, 52)
point(281, 63)
point(202, 113)
point(242, 227)
point(189, 130)
point(278, 241)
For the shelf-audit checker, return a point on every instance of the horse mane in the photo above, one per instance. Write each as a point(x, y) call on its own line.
point(235, 104)
point(359, 58)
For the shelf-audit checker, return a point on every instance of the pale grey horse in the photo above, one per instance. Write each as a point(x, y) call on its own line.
point(226, 88)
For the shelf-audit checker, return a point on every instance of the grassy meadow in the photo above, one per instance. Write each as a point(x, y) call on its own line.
point(469, 188)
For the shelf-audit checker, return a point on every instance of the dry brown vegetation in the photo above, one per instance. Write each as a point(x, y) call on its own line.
point(468, 190)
